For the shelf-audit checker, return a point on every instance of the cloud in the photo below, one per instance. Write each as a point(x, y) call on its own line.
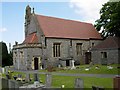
point(3, 29)
point(87, 9)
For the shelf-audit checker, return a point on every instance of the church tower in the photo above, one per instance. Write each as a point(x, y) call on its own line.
point(27, 19)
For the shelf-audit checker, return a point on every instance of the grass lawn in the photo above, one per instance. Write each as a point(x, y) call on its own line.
point(69, 81)
point(81, 69)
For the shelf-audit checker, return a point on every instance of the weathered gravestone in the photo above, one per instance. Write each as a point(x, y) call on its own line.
point(13, 85)
point(79, 83)
point(36, 77)
point(4, 83)
point(27, 78)
point(48, 80)
point(9, 84)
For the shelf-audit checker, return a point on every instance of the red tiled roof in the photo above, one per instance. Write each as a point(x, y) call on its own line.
point(31, 38)
point(62, 28)
point(109, 43)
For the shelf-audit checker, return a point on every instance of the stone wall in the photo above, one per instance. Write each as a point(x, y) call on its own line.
point(25, 62)
point(112, 56)
point(67, 50)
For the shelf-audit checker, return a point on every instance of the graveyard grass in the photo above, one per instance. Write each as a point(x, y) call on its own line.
point(69, 81)
point(81, 69)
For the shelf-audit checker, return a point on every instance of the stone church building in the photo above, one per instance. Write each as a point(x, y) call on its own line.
point(51, 41)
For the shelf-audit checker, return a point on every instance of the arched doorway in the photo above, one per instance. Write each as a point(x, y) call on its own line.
point(36, 63)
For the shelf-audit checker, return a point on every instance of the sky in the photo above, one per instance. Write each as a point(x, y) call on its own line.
point(13, 14)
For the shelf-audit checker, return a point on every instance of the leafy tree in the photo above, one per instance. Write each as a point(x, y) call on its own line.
point(109, 22)
point(6, 59)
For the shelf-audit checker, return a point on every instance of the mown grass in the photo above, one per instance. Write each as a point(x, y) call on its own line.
point(81, 69)
point(69, 81)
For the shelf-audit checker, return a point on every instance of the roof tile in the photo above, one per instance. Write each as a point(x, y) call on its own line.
point(62, 28)
point(31, 38)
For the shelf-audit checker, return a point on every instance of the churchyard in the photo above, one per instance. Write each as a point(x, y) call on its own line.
point(66, 77)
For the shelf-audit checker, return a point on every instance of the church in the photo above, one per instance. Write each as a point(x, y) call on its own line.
point(52, 41)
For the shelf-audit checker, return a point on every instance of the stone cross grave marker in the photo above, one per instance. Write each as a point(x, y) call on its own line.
point(73, 65)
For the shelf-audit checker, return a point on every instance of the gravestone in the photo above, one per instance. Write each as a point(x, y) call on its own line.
point(79, 83)
point(3, 70)
point(4, 83)
point(48, 80)
point(36, 77)
point(13, 85)
point(27, 78)
point(6, 70)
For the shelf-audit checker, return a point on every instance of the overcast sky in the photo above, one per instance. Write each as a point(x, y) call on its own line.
point(12, 23)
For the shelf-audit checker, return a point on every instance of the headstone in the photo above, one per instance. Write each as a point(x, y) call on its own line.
point(27, 77)
point(6, 70)
point(79, 83)
point(4, 83)
point(91, 64)
point(13, 85)
point(3, 70)
point(48, 80)
point(36, 77)
point(59, 66)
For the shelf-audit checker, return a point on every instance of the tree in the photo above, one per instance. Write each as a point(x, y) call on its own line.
point(109, 22)
point(5, 58)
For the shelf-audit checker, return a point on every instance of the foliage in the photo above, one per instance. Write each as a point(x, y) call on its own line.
point(5, 57)
point(109, 22)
